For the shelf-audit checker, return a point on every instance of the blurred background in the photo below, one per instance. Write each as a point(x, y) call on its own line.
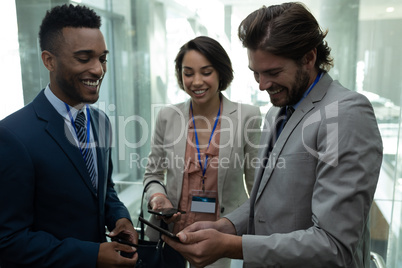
point(144, 37)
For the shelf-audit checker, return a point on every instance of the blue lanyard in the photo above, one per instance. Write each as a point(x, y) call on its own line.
point(204, 169)
point(75, 129)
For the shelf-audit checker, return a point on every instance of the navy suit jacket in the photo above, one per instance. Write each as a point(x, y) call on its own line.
point(50, 214)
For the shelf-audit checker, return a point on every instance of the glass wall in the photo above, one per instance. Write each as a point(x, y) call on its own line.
point(144, 37)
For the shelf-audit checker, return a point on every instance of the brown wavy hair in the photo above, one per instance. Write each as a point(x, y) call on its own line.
point(288, 30)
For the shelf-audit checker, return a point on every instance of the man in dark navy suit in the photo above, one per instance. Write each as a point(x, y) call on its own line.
point(56, 191)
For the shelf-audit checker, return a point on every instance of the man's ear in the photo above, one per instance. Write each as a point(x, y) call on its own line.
point(310, 58)
point(48, 60)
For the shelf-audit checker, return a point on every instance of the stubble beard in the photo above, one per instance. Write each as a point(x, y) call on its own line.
point(298, 88)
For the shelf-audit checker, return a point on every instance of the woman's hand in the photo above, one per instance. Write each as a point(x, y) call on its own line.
point(159, 201)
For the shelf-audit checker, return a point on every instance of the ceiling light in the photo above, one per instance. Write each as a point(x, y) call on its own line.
point(390, 9)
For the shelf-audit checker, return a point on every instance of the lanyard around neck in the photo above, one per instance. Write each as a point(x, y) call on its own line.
point(75, 128)
point(204, 168)
point(314, 83)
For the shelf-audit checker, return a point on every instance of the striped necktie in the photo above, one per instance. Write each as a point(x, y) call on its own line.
point(80, 122)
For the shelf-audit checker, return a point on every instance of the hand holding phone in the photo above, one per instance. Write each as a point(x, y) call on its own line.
point(165, 212)
point(160, 229)
point(121, 241)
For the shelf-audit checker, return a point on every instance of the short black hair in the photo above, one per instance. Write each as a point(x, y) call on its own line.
point(214, 52)
point(63, 16)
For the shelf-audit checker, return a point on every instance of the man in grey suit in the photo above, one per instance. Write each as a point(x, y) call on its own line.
point(315, 183)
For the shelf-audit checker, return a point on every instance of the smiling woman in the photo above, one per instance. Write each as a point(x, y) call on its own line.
point(216, 132)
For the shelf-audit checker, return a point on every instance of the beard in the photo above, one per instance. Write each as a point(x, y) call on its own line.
point(299, 87)
point(296, 91)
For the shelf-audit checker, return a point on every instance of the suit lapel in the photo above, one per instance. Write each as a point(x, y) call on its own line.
point(61, 134)
point(280, 143)
point(316, 95)
point(263, 172)
point(229, 130)
point(180, 130)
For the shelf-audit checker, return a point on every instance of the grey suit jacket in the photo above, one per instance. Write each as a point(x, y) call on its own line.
point(309, 206)
point(239, 140)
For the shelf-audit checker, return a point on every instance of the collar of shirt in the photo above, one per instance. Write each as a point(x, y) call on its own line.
point(61, 109)
point(60, 106)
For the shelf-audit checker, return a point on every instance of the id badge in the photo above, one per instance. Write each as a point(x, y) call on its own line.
point(203, 201)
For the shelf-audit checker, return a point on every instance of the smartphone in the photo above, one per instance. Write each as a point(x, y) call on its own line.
point(165, 212)
point(160, 229)
point(121, 241)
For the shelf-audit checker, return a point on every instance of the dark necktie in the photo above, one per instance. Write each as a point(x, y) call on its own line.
point(284, 118)
point(80, 124)
point(289, 112)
